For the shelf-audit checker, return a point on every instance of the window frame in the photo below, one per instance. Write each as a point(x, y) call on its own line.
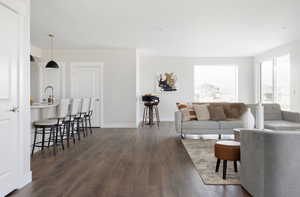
point(274, 79)
point(236, 73)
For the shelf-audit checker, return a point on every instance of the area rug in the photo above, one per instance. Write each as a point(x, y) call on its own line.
point(202, 154)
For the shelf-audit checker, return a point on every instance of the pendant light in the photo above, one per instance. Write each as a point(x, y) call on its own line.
point(32, 58)
point(52, 63)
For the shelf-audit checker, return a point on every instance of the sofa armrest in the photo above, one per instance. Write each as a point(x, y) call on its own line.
point(281, 163)
point(291, 116)
point(252, 156)
point(178, 121)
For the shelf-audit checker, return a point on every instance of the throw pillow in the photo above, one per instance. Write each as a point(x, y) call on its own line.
point(187, 112)
point(216, 112)
point(235, 110)
point(181, 106)
point(202, 112)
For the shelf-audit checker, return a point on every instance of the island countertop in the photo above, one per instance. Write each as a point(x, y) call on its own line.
point(43, 105)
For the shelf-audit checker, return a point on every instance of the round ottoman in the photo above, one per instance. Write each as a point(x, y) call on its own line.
point(227, 150)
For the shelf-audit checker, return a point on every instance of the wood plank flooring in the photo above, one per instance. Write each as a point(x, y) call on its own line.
point(145, 162)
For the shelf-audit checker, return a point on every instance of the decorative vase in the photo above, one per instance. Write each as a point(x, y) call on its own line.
point(248, 119)
point(260, 116)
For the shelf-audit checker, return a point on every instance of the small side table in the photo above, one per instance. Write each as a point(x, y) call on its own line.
point(227, 150)
point(237, 134)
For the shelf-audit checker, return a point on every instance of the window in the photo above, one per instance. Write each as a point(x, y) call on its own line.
point(275, 81)
point(267, 81)
point(283, 81)
point(215, 83)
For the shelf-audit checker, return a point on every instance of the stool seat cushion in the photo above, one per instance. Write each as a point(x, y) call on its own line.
point(48, 122)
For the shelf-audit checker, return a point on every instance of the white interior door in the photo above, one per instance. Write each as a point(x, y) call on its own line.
point(9, 39)
point(86, 82)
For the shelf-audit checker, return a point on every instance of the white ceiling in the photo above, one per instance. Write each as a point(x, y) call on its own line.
point(203, 28)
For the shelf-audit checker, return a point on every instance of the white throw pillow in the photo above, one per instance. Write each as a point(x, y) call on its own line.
point(202, 111)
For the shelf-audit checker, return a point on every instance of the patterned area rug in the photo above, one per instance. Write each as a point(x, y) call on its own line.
point(202, 155)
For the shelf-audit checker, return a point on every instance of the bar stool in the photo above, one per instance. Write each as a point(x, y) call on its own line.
point(78, 125)
point(71, 121)
point(150, 109)
point(88, 116)
point(68, 122)
point(52, 127)
point(85, 107)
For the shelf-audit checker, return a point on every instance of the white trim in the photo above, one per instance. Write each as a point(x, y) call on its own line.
point(26, 179)
point(131, 124)
point(22, 9)
point(101, 67)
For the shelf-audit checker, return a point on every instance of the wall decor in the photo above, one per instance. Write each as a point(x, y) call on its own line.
point(167, 82)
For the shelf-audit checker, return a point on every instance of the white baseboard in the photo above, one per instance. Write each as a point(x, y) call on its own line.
point(119, 125)
point(25, 180)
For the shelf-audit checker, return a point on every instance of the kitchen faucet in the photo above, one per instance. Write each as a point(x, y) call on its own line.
point(51, 97)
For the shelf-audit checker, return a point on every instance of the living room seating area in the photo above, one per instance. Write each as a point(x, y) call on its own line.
point(268, 157)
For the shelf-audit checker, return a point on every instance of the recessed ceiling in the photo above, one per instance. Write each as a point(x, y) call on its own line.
point(202, 28)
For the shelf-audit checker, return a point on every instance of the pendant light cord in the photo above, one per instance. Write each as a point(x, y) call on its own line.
point(51, 44)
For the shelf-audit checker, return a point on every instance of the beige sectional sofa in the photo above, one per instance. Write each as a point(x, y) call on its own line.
point(200, 127)
point(277, 119)
point(270, 163)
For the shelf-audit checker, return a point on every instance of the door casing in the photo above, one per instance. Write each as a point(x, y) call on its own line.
point(100, 65)
point(22, 8)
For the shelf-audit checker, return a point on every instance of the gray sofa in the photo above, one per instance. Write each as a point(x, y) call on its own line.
point(200, 127)
point(277, 119)
point(270, 163)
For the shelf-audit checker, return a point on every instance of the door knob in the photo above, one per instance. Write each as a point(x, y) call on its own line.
point(14, 109)
point(97, 99)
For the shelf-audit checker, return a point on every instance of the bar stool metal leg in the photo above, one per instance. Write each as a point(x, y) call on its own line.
point(67, 129)
point(78, 129)
point(34, 141)
point(55, 134)
point(61, 137)
point(43, 137)
point(90, 125)
point(50, 138)
point(157, 115)
point(72, 132)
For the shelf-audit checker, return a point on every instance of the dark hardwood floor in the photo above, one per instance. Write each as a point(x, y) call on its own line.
point(145, 162)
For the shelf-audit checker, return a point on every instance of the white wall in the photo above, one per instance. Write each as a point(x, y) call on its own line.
point(294, 50)
point(35, 51)
point(119, 83)
point(183, 67)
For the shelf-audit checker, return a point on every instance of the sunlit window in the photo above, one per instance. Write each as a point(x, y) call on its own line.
point(283, 81)
point(275, 81)
point(267, 73)
point(215, 83)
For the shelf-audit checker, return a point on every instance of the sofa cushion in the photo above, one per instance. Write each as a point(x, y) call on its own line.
point(272, 112)
point(202, 112)
point(201, 124)
point(231, 124)
point(282, 125)
point(216, 112)
point(234, 110)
